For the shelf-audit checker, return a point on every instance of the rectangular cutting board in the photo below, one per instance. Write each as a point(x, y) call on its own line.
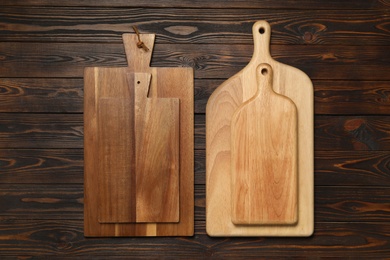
point(171, 88)
point(222, 105)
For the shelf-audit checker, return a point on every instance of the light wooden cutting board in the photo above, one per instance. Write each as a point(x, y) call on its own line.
point(116, 195)
point(264, 156)
point(221, 107)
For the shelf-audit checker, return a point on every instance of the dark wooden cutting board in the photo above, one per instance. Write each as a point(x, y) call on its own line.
point(147, 189)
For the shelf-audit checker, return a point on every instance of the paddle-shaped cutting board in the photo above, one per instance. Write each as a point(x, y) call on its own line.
point(264, 157)
point(157, 154)
point(223, 103)
point(171, 83)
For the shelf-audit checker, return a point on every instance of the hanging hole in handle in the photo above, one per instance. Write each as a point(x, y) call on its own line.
point(261, 30)
point(264, 71)
point(138, 82)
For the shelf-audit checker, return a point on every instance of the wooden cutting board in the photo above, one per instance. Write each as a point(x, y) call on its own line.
point(157, 154)
point(138, 149)
point(221, 107)
point(264, 156)
point(113, 204)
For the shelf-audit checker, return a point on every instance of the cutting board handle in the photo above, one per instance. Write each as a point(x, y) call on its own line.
point(261, 31)
point(137, 58)
point(264, 80)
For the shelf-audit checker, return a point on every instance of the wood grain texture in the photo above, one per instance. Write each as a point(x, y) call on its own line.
point(165, 83)
point(116, 155)
point(53, 238)
point(40, 201)
point(37, 166)
point(330, 97)
point(360, 168)
point(333, 133)
point(264, 156)
point(69, 59)
point(157, 135)
point(44, 95)
point(48, 131)
point(62, 24)
point(41, 131)
point(46, 44)
point(65, 166)
point(221, 107)
point(302, 4)
point(41, 95)
point(132, 132)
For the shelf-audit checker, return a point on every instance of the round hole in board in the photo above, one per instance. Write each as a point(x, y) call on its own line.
point(264, 71)
point(138, 82)
point(261, 30)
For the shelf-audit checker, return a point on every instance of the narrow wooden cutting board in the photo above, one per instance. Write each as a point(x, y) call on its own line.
point(222, 105)
point(170, 83)
point(157, 154)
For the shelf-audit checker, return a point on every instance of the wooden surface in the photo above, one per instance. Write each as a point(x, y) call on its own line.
point(114, 148)
point(264, 156)
point(44, 46)
point(221, 107)
point(130, 188)
point(153, 178)
point(157, 154)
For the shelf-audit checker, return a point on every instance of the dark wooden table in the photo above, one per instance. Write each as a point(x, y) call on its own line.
point(344, 46)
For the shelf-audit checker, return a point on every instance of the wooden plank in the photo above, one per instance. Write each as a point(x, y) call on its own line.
point(40, 166)
point(29, 238)
point(65, 166)
point(328, 62)
point(334, 168)
point(350, 206)
point(41, 95)
point(56, 94)
point(347, 133)
point(360, 168)
point(332, 133)
point(65, 201)
point(41, 130)
point(330, 97)
point(352, 97)
point(78, 24)
point(269, 4)
point(41, 201)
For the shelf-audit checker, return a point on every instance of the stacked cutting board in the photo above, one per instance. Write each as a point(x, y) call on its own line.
point(138, 147)
point(259, 145)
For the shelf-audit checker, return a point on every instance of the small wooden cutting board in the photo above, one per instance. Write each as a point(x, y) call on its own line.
point(264, 157)
point(222, 105)
point(157, 154)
